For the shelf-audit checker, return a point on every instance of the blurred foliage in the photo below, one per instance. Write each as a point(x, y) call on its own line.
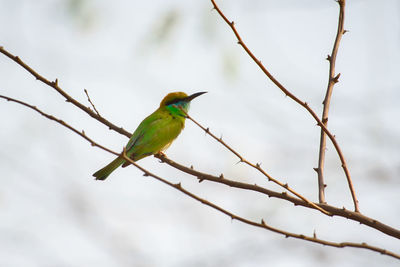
point(164, 28)
point(82, 13)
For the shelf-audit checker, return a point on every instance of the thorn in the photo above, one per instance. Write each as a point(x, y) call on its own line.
point(232, 23)
point(344, 31)
point(314, 234)
point(220, 138)
point(336, 79)
point(56, 82)
point(315, 169)
point(343, 208)
point(92, 144)
point(83, 132)
point(221, 176)
point(325, 185)
point(328, 57)
point(178, 185)
point(200, 180)
point(263, 222)
point(191, 166)
point(258, 165)
point(286, 186)
point(207, 130)
point(305, 104)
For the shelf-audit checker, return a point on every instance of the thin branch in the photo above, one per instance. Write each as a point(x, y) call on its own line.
point(67, 97)
point(262, 223)
point(91, 103)
point(255, 166)
point(233, 216)
point(297, 100)
point(332, 80)
point(340, 212)
point(63, 123)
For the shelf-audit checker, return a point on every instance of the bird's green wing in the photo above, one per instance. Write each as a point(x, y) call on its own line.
point(141, 131)
point(153, 135)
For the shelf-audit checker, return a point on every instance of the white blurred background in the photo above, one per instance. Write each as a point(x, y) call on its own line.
point(128, 55)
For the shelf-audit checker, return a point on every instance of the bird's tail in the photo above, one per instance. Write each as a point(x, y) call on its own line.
point(103, 173)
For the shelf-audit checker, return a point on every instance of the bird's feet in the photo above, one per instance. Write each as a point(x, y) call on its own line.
point(160, 155)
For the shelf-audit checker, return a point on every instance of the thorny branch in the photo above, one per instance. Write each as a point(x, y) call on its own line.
point(297, 100)
point(341, 212)
point(256, 166)
point(332, 80)
point(67, 97)
point(261, 224)
point(282, 195)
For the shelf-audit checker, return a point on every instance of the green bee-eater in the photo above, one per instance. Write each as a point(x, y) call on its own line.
point(155, 133)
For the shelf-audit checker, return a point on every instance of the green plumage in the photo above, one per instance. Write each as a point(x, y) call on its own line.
point(155, 133)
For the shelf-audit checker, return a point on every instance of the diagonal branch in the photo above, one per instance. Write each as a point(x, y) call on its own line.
point(355, 216)
point(63, 123)
point(256, 166)
point(91, 103)
point(297, 100)
point(340, 212)
point(67, 97)
point(261, 224)
point(233, 216)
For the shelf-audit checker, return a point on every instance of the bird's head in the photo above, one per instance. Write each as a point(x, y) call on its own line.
point(176, 101)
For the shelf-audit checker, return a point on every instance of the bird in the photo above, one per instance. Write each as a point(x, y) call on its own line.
point(155, 133)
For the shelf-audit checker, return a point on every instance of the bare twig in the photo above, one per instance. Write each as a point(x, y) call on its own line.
point(67, 97)
point(297, 100)
point(262, 223)
point(331, 82)
point(256, 166)
point(91, 103)
point(233, 216)
point(63, 123)
point(203, 176)
point(341, 212)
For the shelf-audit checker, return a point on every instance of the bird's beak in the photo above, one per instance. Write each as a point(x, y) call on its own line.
point(193, 96)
